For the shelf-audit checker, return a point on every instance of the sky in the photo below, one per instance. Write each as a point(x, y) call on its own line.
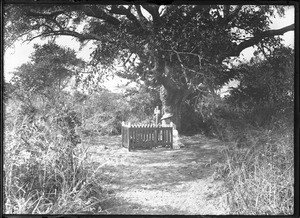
point(288, 37)
point(15, 57)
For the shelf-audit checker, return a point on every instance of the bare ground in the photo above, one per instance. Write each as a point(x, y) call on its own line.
point(160, 181)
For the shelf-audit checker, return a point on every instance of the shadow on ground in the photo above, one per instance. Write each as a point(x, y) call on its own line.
point(161, 180)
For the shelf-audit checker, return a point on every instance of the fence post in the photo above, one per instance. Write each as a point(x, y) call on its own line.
point(171, 130)
point(129, 133)
point(122, 133)
point(155, 137)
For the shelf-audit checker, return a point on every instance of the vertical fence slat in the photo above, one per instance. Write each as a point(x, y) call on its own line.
point(122, 132)
point(146, 136)
point(131, 139)
point(171, 138)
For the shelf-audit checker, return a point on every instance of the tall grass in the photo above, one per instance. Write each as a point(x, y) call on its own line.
point(260, 175)
point(44, 172)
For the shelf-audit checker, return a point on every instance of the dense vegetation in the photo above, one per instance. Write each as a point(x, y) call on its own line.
point(46, 171)
point(259, 117)
point(47, 114)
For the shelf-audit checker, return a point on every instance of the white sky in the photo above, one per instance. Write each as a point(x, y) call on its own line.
point(15, 57)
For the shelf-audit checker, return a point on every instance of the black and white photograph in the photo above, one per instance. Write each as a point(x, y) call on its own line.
point(149, 108)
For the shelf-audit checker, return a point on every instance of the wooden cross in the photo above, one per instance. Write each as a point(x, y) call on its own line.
point(156, 112)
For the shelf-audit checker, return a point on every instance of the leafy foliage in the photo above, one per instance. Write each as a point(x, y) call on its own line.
point(102, 111)
point(266, 87)
point(264, 96)
point(43, 169)
point(49, 70)
point(192, 40)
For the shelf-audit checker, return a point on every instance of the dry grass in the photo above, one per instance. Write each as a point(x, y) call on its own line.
point(261, 177)
point(41, 180)
point(44, 175)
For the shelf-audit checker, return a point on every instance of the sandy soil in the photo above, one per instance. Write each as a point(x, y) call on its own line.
point(161, 180)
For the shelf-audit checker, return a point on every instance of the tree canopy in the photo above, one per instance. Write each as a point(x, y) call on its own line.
point(48, 71)
point(182, 48)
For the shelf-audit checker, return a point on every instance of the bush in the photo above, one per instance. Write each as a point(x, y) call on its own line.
point(222, 121)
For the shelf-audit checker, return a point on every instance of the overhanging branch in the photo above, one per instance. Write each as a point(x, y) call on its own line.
point(256, 39)
point(45, 15)
point(139, 11)
point(153, 10)
point(100, 14)
point(81, 37)
point(123, 11)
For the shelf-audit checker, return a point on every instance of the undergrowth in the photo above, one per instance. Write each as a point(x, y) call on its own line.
point(260, 175)
point(44, 169)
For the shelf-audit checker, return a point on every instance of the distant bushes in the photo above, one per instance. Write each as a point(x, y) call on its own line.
point(102, 111)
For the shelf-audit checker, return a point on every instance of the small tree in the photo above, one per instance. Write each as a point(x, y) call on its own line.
point(48, 72)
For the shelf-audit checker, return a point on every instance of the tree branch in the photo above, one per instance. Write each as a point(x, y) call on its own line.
point(141, 16)
point(56, 22)
point(232, 14)
point(100, 14)
point(153, 10)
point(46, 15)
point(200, 58)
point(81, 37)
point(123, 11)
point(255, 39)
point(185, 68)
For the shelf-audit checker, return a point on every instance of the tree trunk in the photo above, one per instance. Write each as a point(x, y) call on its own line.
point(172, 100)
point(172, 92)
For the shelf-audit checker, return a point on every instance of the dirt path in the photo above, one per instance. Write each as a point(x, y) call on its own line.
point(161, 181)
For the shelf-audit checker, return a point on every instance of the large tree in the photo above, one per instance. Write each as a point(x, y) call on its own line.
point(183, 49)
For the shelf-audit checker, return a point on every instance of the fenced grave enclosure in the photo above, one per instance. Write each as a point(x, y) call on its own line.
point(146, 136)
